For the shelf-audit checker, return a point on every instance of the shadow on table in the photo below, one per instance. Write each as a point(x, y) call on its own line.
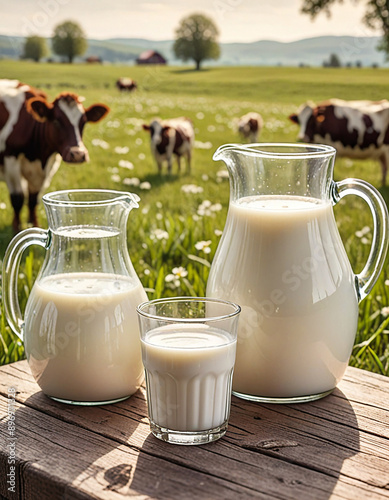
point(71, 446)
point(283, 451)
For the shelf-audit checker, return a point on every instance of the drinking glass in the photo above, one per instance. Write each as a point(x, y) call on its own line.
point(188, 352)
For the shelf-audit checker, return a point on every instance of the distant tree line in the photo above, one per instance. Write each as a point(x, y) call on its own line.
point(68, 41)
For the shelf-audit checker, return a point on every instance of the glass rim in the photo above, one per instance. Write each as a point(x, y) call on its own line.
point(259, 149)
point(170, 319)
point(107, 197)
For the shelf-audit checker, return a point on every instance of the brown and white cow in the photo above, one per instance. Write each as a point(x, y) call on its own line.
point(127, 84)
point(250, 126)
point(357, 129)
point(171, 137)
point(34, 135)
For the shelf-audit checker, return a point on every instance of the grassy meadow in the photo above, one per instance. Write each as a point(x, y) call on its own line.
point(180, 210)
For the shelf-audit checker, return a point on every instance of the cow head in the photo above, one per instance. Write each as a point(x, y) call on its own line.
point(305, 118)
point(65, 119)
point(156, 129)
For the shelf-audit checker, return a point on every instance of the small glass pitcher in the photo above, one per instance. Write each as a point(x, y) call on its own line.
point(80, 327)
point(282, 260)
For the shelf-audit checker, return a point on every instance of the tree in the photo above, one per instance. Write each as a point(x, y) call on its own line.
point(196, 38)
point(35, 47)
point(333, 62)
point(376, 16)
point(69, 40)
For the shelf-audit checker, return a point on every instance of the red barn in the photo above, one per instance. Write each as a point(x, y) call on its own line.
point(151, 57)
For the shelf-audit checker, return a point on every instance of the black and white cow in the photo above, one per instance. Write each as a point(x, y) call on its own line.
point(357, 129)
point(171, 137)
point(250, 126)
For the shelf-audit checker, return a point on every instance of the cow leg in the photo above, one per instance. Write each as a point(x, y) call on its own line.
point(384, 167)
point(188, 161)
point(179, 163)
point(32, 203)
point(13, 179)
point(17, 201)
point(169, 165)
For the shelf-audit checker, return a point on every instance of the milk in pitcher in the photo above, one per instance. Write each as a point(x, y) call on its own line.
point(82, 336)
point(286, 266)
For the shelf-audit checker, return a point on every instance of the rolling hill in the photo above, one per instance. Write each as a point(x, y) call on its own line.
point(309, 51)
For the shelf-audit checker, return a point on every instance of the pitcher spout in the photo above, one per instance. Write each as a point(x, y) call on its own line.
point(224, 152)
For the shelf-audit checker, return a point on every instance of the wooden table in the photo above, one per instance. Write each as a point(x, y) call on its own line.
point(335, 448)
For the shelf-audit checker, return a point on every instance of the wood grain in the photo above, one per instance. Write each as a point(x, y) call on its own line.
point(335, 448)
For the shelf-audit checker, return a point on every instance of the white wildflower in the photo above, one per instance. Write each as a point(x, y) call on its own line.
point(191, 189)
point(200, 115)
point(126, 164)
point(222, 174)
point(159, 234)
point(145, 185)
point(207, 208)
point(211, 128)
point(387, 282)
point(116, 178)
point(218, 232)
point(362, 232)
point(365, 241)
point(3, 206)
point(122, 150)
point(138, 141)
point(204, 246)
point(180, 272)
point(131, 181)
point(158, 204)
point(203, 145)
point(99, 142)
point(216, 207)
point(113, 124)
point(141, 156)
point(205, 177)
point(175, 276)
point(385, 311)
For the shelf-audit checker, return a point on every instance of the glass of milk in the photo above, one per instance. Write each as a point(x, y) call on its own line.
point(188, 352)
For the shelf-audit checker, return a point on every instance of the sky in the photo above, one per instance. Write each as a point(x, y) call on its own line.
point(237, 20)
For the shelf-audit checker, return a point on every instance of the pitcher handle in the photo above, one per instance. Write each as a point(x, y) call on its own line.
point(367, 278)
point(11, 263)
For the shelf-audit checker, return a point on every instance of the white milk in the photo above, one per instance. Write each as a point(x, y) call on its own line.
point(82, 336)
point(188, 373)
point(282, 260)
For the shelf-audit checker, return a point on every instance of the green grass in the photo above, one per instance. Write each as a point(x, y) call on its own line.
point(212, 98)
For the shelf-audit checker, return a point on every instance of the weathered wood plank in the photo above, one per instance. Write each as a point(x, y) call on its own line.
point(327, 449)
point(57, 460)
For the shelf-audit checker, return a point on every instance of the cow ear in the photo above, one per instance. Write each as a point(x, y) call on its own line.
point(40, 109)
point(294, 118)
point(145, 126)
point(96, 112)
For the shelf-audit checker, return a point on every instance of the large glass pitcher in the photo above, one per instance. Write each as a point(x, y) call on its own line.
point(282, 260)
point(80, 327)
